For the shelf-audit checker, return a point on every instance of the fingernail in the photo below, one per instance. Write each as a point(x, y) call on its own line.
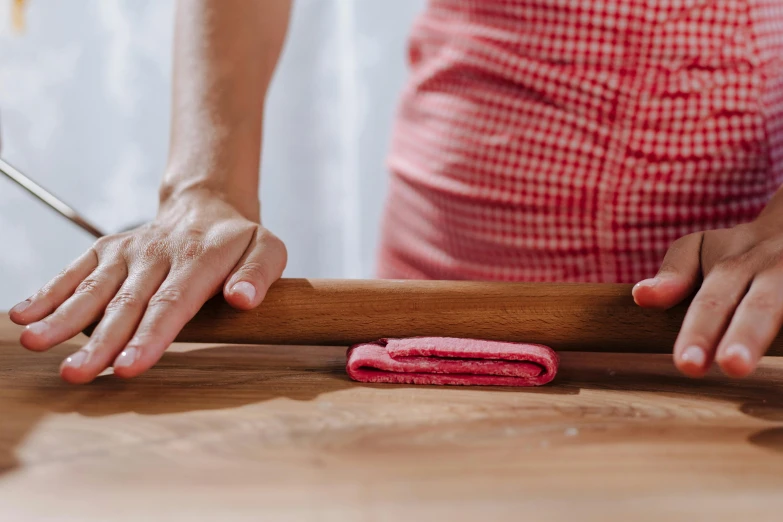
point(738, 351)
point(126, 358)
point(21, 307)
point(649, 283)
point(38, 328)
point(77, 359)
point(694, 355)
point(245, 289)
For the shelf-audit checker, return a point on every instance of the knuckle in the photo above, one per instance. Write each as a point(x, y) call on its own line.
point(769, 253)
point(170, 296)
point(730, 265)
point(687, 242)
point(124, 301)
point(126, 243)
point(709, 302)
point(49, 288)
point(685, 239)
point(43, 296)
point(114, 244)
point(764, 303)
point(152, 249)
point(98, 340)
point(758, 258)
point(270, 241)
point(62, 274)
point(264, 234)
point(191, 249)
point(197, 232)
point(87, 286)
point(101, 244)
point(679, 249)
point(257, 272)
point(51, 285)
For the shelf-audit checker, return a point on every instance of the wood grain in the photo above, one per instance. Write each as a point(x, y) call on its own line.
point(280, 433)
point(567, 317)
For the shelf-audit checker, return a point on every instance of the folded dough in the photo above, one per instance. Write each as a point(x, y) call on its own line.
point(452, 361)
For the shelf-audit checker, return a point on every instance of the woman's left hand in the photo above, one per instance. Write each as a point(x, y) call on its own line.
point(738, 309)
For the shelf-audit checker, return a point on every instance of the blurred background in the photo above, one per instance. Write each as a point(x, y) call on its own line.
point(84, 110)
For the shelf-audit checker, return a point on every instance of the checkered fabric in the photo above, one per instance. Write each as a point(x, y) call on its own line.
point(574, 140)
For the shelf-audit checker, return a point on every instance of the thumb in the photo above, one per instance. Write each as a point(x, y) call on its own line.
point(677, 278)
point(261, 265)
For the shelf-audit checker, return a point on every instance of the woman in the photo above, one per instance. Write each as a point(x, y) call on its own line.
point(536, 141)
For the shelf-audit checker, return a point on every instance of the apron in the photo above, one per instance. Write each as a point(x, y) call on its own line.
point(564, 140)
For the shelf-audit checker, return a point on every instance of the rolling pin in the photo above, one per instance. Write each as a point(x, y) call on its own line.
point(567, 317)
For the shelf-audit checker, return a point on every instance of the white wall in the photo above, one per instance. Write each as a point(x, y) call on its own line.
point(84, 108)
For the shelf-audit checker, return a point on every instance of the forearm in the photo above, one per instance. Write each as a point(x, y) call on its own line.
point(225, 53)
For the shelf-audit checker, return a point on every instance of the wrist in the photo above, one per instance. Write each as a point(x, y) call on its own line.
point(197, 191)
point(216, 161)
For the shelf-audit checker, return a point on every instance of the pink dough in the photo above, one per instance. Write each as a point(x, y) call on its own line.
point(451, 361)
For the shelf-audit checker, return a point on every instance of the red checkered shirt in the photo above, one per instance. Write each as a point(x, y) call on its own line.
point(565, 140)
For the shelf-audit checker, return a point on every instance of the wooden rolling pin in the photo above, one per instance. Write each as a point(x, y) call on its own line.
point(567, 317)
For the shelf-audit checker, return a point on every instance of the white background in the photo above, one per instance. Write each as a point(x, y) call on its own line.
point(84, 110)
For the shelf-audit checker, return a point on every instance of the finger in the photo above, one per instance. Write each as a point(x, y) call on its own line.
point(52, 295)
point(677, 278)
point(174, 304)
point(78, 311)
point(708, 316)
point(755, 324)
point(119, 322)
point(261, 265)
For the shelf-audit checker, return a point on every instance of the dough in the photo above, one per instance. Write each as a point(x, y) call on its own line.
point(451, 361)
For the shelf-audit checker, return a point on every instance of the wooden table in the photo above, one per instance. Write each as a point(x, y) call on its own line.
point(280, 433)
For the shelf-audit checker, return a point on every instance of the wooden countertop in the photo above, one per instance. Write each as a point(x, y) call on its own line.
point(280, 433)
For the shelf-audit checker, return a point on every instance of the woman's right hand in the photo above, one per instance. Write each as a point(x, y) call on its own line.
point(146, 284)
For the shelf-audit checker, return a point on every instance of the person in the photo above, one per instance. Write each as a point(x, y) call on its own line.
point(600, 140)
